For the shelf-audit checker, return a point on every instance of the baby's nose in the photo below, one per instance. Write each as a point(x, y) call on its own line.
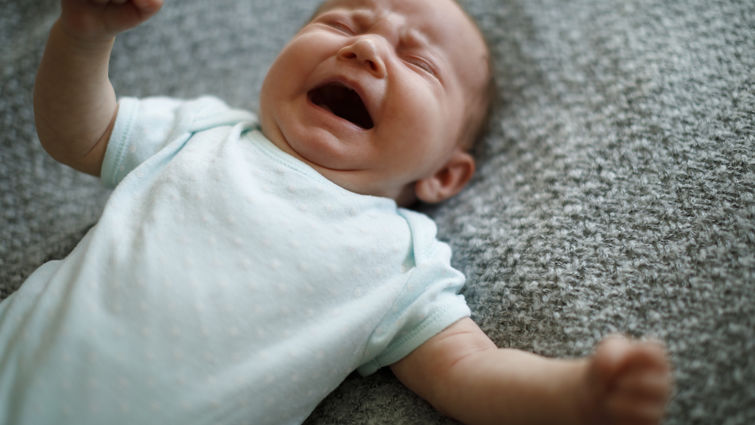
point(365, 51)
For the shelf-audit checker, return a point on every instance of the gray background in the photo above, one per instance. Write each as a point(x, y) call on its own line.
point(614, 193)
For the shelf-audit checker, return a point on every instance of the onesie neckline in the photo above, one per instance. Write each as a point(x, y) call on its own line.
point(274, 152)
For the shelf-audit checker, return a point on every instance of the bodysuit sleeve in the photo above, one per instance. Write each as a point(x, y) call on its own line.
point(428, 303)
point(145, 126)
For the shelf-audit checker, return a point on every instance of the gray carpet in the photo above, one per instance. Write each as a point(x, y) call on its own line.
point(615, 189)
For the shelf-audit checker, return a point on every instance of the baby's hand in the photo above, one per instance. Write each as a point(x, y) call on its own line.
point(630, 381)
point(100, 20)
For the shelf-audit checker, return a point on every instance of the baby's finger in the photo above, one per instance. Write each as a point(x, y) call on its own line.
point(148, 6)
point(647, 385)
point(625, 410)
point(648, 356)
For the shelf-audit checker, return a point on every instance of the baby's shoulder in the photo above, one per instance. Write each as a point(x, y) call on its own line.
point(425, 243)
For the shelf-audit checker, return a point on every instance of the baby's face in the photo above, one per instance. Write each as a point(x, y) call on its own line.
point(375, 94)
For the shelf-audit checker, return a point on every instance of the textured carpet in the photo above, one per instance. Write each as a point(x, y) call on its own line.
point(615, 189)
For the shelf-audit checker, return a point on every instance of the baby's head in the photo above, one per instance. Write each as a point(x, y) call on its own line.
point(382, 97)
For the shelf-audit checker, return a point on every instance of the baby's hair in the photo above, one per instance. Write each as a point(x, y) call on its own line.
point(478, 126)
point(491, 101)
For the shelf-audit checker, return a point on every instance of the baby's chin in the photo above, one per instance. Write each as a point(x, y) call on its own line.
point(318, 137)
point(325, 151)
point(327, 145)
point(342, 166)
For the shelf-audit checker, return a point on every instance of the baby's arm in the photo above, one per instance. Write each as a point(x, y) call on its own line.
point(74, 102)
point(462, 374)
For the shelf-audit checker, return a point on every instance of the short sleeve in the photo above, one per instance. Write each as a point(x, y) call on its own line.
point(141, 128)
point(145, 126)
point(428, 303)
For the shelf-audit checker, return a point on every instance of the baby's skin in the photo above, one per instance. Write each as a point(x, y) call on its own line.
point(460, 371)
point(464, 375)
point(629, 382)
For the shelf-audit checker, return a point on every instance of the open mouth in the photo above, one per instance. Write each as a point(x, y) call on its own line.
point(343, 102)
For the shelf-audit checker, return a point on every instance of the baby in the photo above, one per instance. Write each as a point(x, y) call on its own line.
point(243, 267)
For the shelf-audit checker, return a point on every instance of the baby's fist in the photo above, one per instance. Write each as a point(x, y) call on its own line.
point(99, 20)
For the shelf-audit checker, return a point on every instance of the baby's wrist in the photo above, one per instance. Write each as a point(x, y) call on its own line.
point(82, 42)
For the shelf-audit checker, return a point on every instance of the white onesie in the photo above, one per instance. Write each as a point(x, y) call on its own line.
point(225, 283)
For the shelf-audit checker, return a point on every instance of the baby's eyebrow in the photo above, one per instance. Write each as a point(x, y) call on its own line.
point(364, 17)
point(361, 16)
point(415, 38)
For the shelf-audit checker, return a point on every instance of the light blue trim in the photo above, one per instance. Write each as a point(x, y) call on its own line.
point(118, 143)
point(431, 326)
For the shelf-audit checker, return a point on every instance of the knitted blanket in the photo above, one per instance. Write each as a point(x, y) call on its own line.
point(615, 190)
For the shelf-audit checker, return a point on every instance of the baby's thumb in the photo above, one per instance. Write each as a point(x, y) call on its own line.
point(147, 7)
point(609, 356)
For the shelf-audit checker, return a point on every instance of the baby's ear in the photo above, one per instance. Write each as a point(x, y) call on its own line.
point(448, 180)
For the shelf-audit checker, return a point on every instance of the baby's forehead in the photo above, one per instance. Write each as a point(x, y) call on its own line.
point(443, 22)
point(442, 16)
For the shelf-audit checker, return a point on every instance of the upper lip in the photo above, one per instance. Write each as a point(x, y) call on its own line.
point(368, 99)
